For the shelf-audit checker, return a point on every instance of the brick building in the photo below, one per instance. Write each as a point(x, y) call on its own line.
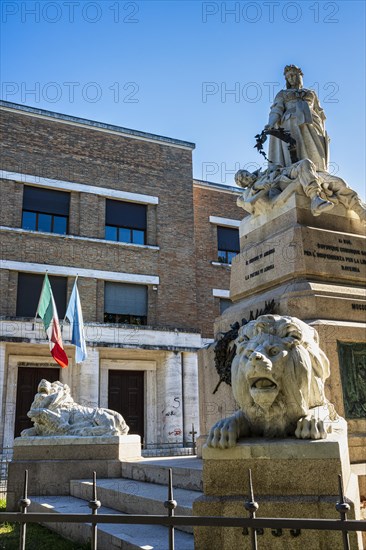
point(151, 248)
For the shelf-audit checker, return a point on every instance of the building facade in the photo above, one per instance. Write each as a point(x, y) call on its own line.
point(151, 248)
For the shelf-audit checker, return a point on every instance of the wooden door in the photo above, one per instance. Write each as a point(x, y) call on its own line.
point(126, 396)
point(28, 380)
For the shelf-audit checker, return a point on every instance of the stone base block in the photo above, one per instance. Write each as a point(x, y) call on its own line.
point(285, 507)
point(291, 478)
point(119, 447)
point(53, 461)
point(279, 467)
point(201, 440)
point(357, 447)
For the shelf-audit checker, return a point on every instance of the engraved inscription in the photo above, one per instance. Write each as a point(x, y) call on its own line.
point(340, 253)
point(255, 259)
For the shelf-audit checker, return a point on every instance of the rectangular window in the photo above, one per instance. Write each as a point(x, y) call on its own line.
point(125, 303)
point(227, 243)
point(45, 210)
point(29, 292)
point(125, 222)
point(224, 304)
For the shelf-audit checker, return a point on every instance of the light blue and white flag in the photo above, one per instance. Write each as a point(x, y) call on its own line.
point(75, 316)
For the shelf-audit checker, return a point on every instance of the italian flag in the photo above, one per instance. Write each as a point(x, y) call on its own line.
point(48, 313)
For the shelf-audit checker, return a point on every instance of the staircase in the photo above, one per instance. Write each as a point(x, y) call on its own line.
point(142, 489)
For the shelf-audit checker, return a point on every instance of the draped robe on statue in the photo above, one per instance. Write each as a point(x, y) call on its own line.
point(298, 111)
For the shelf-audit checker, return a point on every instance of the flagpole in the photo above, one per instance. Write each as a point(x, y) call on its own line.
point(75, 317)
point(39, 301)
point(64, 319)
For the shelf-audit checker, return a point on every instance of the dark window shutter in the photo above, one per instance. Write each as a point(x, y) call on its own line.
point(29, 292)
point(224, 304)
point(46, 201)
point(127, 299)
point(228, 239)
point(125, 214)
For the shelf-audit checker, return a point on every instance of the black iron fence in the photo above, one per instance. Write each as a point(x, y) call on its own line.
point(252, 526)
point(6, 455)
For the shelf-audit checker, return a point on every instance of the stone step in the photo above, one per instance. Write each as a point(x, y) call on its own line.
point(357, 447)
point(110, 536)
point(187, 471)
point(360, 471)
point(135, 497)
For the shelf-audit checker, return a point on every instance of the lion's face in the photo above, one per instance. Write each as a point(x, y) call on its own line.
point(260, 366)
point(44, 386)
point(278, 373)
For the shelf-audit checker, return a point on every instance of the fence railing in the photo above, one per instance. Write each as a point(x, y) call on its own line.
point(252, 526)
point(6, 455)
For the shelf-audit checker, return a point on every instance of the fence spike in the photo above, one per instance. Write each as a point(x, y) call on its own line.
point(170, 504)
point(343, 507)
point(252, 506)
point(23, 505)
point(94, 504)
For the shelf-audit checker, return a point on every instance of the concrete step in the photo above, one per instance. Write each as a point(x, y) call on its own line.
point(135, 497)
point(357, 447)
point(110, 536)
point(187, 471)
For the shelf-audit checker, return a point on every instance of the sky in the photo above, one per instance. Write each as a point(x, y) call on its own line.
point(204, 72)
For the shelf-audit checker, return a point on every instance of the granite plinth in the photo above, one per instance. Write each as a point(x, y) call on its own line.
point(291, 478)
point(279, 466)
point(272, 507)
point(312, 253)
point(75, 447)
point(292, 208)
point(53, 461)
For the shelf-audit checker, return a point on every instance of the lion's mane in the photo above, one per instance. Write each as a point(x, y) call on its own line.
point(299, 373)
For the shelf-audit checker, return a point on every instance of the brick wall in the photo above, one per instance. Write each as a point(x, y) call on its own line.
point(52, 149)
point(210, 202)
point(11, 203)
point(178, 225)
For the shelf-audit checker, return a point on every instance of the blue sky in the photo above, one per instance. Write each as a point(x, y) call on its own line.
point(168, 68)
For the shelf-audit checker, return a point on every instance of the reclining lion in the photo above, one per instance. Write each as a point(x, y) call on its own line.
point(277, 377)
point(54, 412)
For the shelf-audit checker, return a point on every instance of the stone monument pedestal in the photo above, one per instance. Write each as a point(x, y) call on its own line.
point(291, 478)
point(313, 268)
point(53, 461)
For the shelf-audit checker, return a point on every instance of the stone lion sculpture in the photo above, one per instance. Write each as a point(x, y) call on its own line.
point(277, 377)
point(55, 413)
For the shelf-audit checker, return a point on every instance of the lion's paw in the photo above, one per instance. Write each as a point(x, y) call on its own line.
point(224, 433)
point(310, 427)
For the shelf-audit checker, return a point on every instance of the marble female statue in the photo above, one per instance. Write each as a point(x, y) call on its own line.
point(298, 111)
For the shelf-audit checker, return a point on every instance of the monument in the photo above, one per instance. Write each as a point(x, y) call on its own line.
point(67, 441)
point(302, 256)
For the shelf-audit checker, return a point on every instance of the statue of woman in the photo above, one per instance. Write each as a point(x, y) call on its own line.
point(298, 111)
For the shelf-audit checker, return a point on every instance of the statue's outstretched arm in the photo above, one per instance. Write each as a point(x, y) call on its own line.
point(276, 112)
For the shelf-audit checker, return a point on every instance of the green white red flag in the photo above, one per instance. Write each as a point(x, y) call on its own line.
point(48, 313)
